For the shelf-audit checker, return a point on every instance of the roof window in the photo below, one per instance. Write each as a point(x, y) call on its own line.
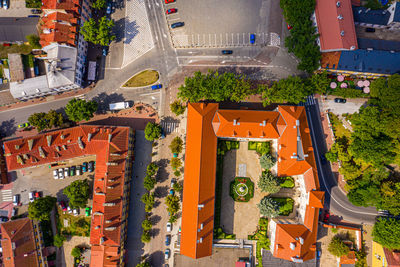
point(338, 3)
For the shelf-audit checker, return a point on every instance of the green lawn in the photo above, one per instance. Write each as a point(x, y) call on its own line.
point(338, 127)
point(78, 225)
point(143, 78)
point(14, 48)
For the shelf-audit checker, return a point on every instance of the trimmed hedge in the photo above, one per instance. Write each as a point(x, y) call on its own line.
point(220, 234)
point(347, 92)
point(250, 187)
point(285, 205)
point(260, 147)
point(286, 182)
point(225, 146)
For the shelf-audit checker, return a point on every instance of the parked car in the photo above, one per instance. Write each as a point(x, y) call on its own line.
point(177, 24)
point(369, 29)
point(78, 170)
point(69, 209)
point(61, 173)
point(55, 174)
point(318, 254)
point(91, 166)
point(171, 191)
point(87, 211)
point(84, 167)
point(167, 253)
point(169, 1)
point(173, 181)
point(340, 100)
point(171, 11)
point(5, 4)
point(109, 8)
point(16, 200)
point(289, 27)
point(227, 52)
point(169, 227)
point(24, 125)
point(66, 172)
point(37, 195)
point(252, 38)
point(326, 216)
point(3, 219)
point(167, 240)
point(30, 195)
point(156, 86)
point(75, 211)
point(72, 171)
point(36, 11)
point(323, 159)
point(63, 205)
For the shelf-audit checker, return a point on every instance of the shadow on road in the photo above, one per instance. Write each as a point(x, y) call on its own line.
point(103, 100)
point(7, 128)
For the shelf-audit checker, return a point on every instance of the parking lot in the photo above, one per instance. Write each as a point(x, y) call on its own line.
point(40, 179)
point(16, 8)
point(220, 23)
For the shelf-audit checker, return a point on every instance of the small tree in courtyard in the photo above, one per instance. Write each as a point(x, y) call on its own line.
point(99, 4)
point(59, 240)
point(33, 41)
point(146, 237)
point(337, 247)
point(269, 183)
point(152, 131)
point(176, 145)
point(76, 252)
point(176, 163)
point(267, 161)
point(268, 207)
point(40, 208)
point(78, 193)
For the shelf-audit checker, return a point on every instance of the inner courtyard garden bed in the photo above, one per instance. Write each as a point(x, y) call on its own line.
point(242, 189)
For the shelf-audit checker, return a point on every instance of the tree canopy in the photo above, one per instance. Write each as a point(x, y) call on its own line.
point(59, 240)
point(41, 208)
point(176, 145)
point(268, 207)
point(48, 120)
point(99, 4)
point(152, 131)
point(79, 109)
point(33, 41)
point(386, 232)
point(267, 161)
point(337, 248)
point(269, 183)
point(78, 193)
point(173, 204)
point(177, 108)
point(98, 32)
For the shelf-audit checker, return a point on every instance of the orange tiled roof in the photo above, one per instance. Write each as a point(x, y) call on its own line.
point(335, 25)
point(70, 5)
point(289, 125)
point(18, 243)
point(58, 27)
point(330, 60)
point(350, 258)
point(111, 146)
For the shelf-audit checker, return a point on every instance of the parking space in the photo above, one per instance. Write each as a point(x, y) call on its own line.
point(351, 106)
point(16, 8)
point(41, 179)
point(220, 23)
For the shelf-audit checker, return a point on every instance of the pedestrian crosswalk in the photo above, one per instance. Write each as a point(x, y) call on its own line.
point(169, 126)
point(309, 101)
point(6, 195)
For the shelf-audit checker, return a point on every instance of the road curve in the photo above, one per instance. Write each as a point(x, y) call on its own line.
point(335, 199)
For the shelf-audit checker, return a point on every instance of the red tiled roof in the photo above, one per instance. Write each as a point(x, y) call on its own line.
point(111, 146)
point(68, 5)
point(350, 258)
point(18, 243)
point(335, 25)
point(200, 167)
point(392, 258)
point(288, 125)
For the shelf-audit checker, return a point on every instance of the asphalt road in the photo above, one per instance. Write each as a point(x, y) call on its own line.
point(335, 199)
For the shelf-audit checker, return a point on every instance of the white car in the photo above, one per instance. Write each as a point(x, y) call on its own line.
point(169, 227)
point(66, 172)
point(167, 253)
point(31, 198)
point(16, 200)
point(55, 174)
point(69, 209)
point(61, 173)
point(75, 212)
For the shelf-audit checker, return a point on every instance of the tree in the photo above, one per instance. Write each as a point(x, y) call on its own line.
point(320, 82)
point(59, 240)
point(39, 121)
point(386, 232)
point(54, 118)
point(148, 200)
point(177, 187)
point(98, 32)
point(152, 169)
point(331, 155)
point(152, 131)
point(147, 225)
point(267, 161)
point(172, 218)
point(33, 41)
point(149, 182)
point(41, 208)
point(76, 252)
point(146, 237)
point(337, 247)
point(177, 108)
point(176, 145)
point(79, 109)
point(173, 204)
point(78, 193)
point(268, 207)
point(176, 163)
point(269, 183)
point(99, 4)
point(143, 264)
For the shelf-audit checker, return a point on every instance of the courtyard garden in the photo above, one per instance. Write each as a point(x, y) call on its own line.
point(242, 189)
point(260, 147)
point(276, 206)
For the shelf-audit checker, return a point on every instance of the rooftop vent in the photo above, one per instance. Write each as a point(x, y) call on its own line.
point(340, 17)
point(48, 138)
point(301, 240)
point(111, 163)
point(342, 33)
point(89, 137)
point(108, 221)
point(97, 227)
point(110, 228)
point(292, 245)
point(234, 122)
point(64, 147)
point(109, 137)
point(41, 152)
point(338, 3)
point(30, 144)
point(200, 206)
point(102, 240)
point(16, 147)
point(80, 143)
point(109, 204)
point(264, 123)
point(62, 137)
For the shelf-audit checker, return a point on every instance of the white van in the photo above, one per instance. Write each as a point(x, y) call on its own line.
point(31, 198)
point(16, 200)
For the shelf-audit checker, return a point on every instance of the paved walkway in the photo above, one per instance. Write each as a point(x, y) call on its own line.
point(138, 38)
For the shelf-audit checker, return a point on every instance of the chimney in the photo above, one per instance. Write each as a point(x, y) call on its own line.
point(89, 137)
point(234, 122)
point(48, 138)
point(109, 137)
point(301, 240)
point(62, 137)
point(264, 123)
point(292, 245)
point(200, 206)
point(30, 144)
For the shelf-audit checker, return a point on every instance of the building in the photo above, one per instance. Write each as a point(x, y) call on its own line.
point(292, 240)
point(14, 30)
point(113, 147)
point(22, 244)
point(16, 67)
point(387, 18)
point(383, 257)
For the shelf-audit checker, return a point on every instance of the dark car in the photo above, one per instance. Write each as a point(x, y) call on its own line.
point(156, 86)
point(167, 240)
point(91, 166)
point(323, 159)
point(340, 100)
point(72, 171)
point(85, 167)
point(226, 52)
point(369, 29)
point(3, 219)
point(171, 11)
point(326, 217)
point(252, 38)
point(36, 11)
point(177, 24)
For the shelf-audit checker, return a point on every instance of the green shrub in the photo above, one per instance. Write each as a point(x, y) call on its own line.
point(347, 92)
point(233, 189)
point(220, 234)
point(252, 145)
point(287, 182)
point(285, 205)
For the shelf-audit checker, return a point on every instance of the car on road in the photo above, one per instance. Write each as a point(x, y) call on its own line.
point(167, 253)
point(167, 240)
point(55, 174)
point(227, 52)
point(66, 172)
point(169, 227)
point(61, 173)
point(78, 170)
point(326, 217)
point(5, 4)
point(177, 24)
point(72, 171)
point(30, 195)
point(323, 159)
point(63, 205)
point(109, 8)
point(171, 11)
point(340, 100)
point(84, 167)
point(87, 211)
point(252, 38)
point(156, 86)
point(91, 166)
point(16, 200)
point(169, 1)
point(318, 254)
point(24, 125)
point(36, 11)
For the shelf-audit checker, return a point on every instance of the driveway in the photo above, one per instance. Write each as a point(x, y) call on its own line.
point(351, 106)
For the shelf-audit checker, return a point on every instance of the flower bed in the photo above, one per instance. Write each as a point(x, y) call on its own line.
point(242, 189)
